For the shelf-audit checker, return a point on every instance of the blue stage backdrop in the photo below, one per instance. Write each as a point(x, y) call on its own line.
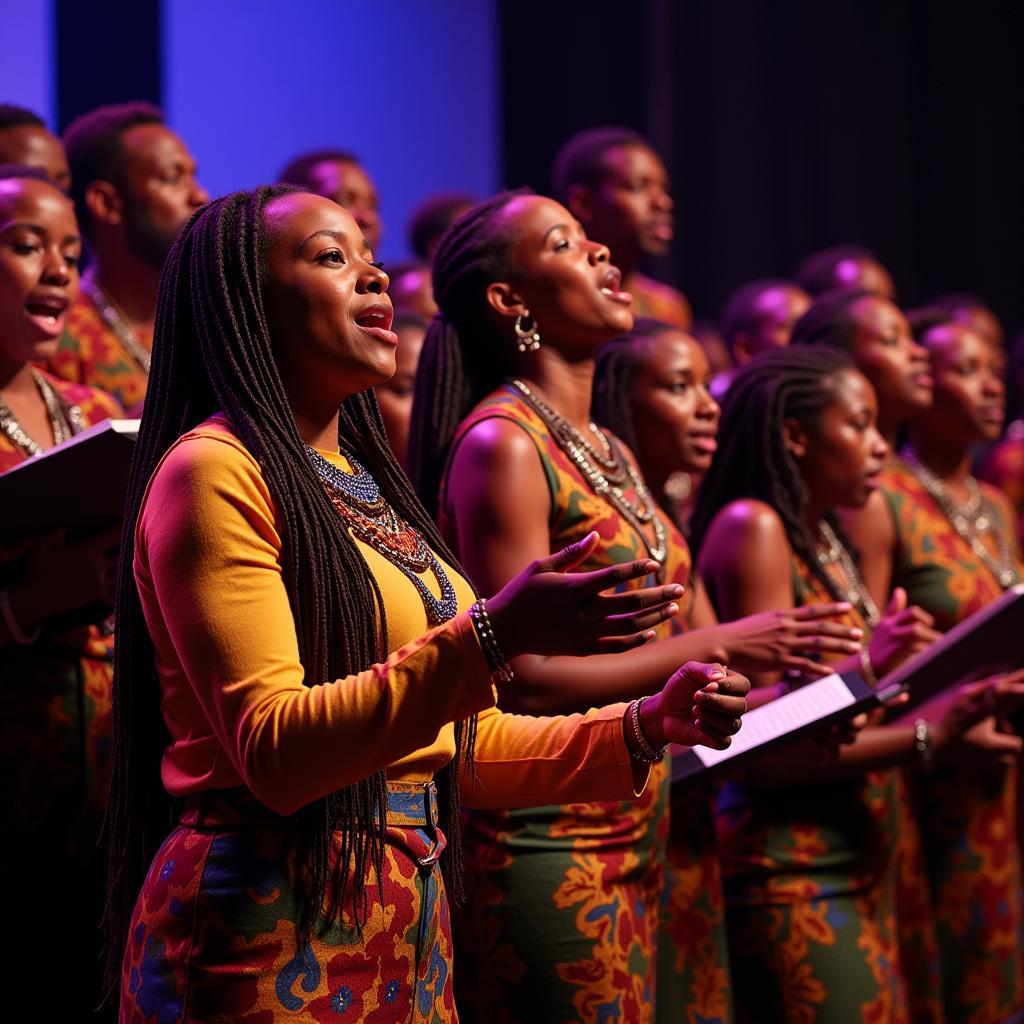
point(411, 87)
point(28, 69)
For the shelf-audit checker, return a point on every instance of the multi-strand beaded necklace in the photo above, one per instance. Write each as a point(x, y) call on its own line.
point(372, 520)
point(608, 475)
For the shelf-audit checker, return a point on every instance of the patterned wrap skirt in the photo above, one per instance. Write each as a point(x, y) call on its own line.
point(213, 938)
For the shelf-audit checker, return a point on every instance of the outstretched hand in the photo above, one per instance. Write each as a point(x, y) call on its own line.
point(700, 705)
point(786, 640)
point(549, 610)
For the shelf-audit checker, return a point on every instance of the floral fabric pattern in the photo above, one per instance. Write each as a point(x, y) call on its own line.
point(570, 898)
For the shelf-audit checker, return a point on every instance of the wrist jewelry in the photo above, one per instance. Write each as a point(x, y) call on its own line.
point(644, 752)
point(501, 670)
point(867, 670)
point(923, 743)
point(18, 635)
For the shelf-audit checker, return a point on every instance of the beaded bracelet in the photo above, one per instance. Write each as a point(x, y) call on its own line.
point(501, 670)
point(644, 752)
point(18, 635)
point(923, 743)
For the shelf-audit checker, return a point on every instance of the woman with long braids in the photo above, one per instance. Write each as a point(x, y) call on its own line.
point(810, 856)
point(949, 542)
point(56, 657)
point(296, 643)
point(567, 896)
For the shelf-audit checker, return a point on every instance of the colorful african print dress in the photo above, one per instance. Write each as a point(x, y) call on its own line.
point(659, 301)
point(55, 724)
point(1004, 468)
point(810, 888)
point(565, 903)
point(91, 353)
point(969, 819)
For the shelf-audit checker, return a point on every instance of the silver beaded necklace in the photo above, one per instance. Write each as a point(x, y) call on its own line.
point(112, 316)
point(854, 591)
point(65, 418)
point(607, 478)
point(972, 522)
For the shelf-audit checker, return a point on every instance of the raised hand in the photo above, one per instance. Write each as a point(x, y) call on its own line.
point(549, 610)
point(784, 640)
point(901, 632)
point(700, 705)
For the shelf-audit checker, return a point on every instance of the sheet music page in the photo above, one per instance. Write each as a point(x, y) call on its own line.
point(801, 707)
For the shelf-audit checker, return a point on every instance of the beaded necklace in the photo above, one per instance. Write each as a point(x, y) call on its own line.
point(65, 418)
point(972, 521)
point(608, 477)
point(854, 591)
point(112, 316)
point(372, 520)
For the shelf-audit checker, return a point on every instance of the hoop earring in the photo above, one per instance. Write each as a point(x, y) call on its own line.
point(527, 339)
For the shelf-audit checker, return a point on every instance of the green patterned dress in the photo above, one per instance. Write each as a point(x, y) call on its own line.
point(810, 887)
point(969, 819)
point(565, 903)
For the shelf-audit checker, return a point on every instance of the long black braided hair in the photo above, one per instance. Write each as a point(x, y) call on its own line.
point(461, 362)
point(212, 351)
point(753, 461)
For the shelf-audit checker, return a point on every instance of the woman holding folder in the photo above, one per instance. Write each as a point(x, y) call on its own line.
point(301, 662)
point(810, 856)
point(949, 542)
point(56, 661)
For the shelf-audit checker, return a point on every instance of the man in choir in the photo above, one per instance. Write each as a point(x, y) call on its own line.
point(848, 268)
point(617, 187)
point(26, 141)
point(758, 316)
point(134, 188)
point(337, 174)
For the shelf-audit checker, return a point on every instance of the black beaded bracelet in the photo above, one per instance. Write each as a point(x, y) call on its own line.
point(501, 670)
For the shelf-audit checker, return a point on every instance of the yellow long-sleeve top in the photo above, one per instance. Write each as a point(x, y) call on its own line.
point(209, 572)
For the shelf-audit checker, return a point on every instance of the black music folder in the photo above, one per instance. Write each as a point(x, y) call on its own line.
point(836, 698)
point(79, 485)
point(989, 641)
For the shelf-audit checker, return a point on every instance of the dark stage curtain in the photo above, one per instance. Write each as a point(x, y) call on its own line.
point(787, 126)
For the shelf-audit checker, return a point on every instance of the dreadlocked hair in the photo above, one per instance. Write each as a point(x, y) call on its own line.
point(611, 402)
point(752, 459)
point(460, 362)
point(212, 351)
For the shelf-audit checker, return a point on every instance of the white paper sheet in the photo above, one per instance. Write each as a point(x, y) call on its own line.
point(802, 707)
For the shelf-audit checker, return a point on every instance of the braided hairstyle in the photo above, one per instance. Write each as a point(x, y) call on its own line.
point(212, 350)
point(461, 362)
point(752, 459)
point(614, 368)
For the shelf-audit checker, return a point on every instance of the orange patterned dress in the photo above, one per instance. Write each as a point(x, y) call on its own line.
point(55, 735)
point(969, 819)
point(565, 903)
point(659, 301)
point(91, 353)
